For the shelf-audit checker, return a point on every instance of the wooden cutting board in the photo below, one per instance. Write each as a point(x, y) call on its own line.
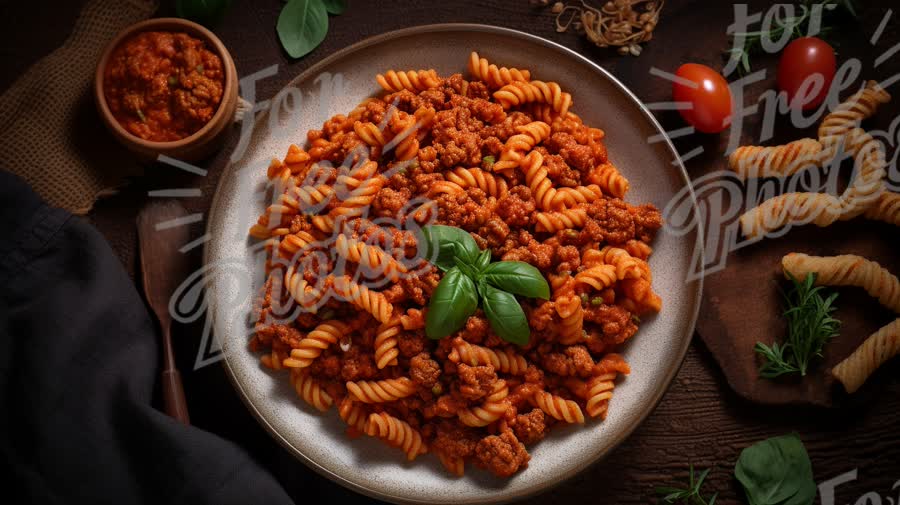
point(742, 304)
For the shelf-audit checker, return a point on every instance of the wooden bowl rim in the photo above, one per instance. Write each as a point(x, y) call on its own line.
point(171, 25)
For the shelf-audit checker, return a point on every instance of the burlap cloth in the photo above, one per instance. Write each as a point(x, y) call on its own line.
point(51, 133)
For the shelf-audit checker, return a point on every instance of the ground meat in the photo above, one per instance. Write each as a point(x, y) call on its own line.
point(476, 382)
point(575, 154)
point(418, 288)
point(476, 329)
point(647, 220)
point(531, 427)
point(581, 359)
point(494, 232)
point(388, 202)
point(501, 454)
point(541, 316)
point(357, 365)
point(326, 366)
point(410, 343)
point(616, 323)
point(444, 406)
point(454, 440)
point(286, 334)
point(423, 370)
point(461, 211)
point(517, 207)
point(610, 221)
point(568, 258)
point(558, 170)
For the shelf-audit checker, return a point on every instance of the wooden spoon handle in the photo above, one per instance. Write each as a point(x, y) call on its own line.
point(173, 396)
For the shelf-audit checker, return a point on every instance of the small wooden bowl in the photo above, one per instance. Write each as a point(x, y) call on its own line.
point(204, 141)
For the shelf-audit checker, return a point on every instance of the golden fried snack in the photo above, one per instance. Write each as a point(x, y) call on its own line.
point(881, 346)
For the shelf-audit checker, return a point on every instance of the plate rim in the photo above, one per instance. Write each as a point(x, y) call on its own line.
point(669, 377)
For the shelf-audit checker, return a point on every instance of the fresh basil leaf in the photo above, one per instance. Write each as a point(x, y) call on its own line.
point(470, 270)
point(776, 471)
point(517, 277)
point(483, 260)
point(335, 6)
point(452, 302)
point(505, 315)
point(302, 26)
point(445, 242)
point(205, 12)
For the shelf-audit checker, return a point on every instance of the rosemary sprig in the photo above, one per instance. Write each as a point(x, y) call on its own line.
point(810, 328)
point(689, 495)
point(752, 41)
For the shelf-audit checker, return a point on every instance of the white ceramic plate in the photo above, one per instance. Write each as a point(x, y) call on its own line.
point(368, 465)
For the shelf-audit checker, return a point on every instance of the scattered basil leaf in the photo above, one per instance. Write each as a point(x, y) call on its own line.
point(776, 471)
point(302, 26)
point(335, 6)
point(505, 315)
point(443, 243)
point(470, 270)
point(517, 277)
point(483, 260)
point(205, 12)
point(452, 302)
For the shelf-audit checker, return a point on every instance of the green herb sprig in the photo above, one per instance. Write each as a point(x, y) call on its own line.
point(470, 280)
point(810, 328)
point(302, 24)
point(776, 471)
point(689, 495)
point(752, 41)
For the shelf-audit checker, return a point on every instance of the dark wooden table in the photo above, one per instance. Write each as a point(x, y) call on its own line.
point(700, 420)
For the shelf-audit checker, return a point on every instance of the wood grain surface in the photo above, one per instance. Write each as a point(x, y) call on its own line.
point(701, 420)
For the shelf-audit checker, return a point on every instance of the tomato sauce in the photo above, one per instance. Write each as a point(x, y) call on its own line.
point(163, 86)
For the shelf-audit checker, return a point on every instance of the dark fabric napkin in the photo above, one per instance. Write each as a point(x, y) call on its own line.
point(78, 362)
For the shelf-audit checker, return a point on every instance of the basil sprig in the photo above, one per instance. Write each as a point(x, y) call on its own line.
point(776, 471)
point(470, 277)
point(302, 24)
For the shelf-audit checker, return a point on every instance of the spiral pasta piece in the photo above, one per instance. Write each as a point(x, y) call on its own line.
point(445, 188)
point(559, 408)
point(627, 267)
point(305, 295)
point(599, 392)
point(311, 347)
point(386, 343)
point(354, 414)
point(791, 208)
point(374, 258)
point(492, 409)
point(537, 179)
point(599, 277)
point(381, 391)
point(412, 80)
point(545, 112)
point(525, 139)
point(310, 391)
point(640, 291)
point(396, 433)
point(503, 360)
point(775, 161)
point(571, 327)
point(454, 464)
point(292, 243)
point(555, 221)
point(569, 197)
point(638, 249)
point(495, 77)
point(373, 302)
point(610, 180)
point(522, 92)
point(886, 209)
point(369, 133)
point(478, 178)
point(860, 106)
point(847, 270)
point(881, 346)
point(868, 182)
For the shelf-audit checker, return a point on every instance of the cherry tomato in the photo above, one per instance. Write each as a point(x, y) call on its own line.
point(709, 96)
point(806, 58)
